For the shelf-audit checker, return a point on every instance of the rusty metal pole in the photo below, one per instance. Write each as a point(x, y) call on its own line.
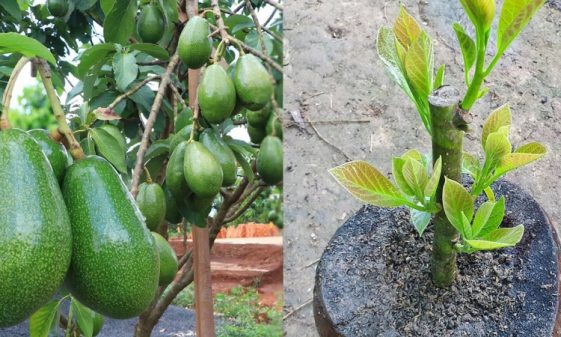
point(204, 309)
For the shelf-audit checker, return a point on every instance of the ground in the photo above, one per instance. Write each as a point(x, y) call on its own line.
point(334, 79)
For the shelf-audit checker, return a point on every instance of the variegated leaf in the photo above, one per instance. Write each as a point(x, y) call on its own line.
point(456, 201)
point(515, 15)
point(467, 46)
point(419, 66)
point(499, 238)
point(499, 118)
point(488, 217)
point(524, 155)
point(406, 29)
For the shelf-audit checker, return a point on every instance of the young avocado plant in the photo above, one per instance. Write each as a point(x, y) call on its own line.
point(407, 53)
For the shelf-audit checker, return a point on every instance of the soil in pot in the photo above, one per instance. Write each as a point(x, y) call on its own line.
point(374, 279)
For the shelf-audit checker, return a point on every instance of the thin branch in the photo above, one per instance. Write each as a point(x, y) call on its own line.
point(275, 4)
point(298, 308)
point(221, 26)
point(255, 18)
point(4, 122)
point(270, 18)
point(131, 91)
point(45, 72)
point(150, 123)
point(241, 210)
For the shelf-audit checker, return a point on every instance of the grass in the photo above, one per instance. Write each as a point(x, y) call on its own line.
point(241, 311)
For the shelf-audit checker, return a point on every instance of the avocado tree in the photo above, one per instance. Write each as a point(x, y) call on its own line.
point(171, 116)
point(431, 186)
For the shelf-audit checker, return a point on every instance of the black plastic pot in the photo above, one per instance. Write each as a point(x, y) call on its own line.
point(356, 294)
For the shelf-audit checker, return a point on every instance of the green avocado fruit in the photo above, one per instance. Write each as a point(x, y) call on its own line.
point(115, 265)
point(183, 134)
point(151, 201)
point(168, 260)
point(194, 45)
point(258, 118)
point(35, 234)
point(98, 322)
point(151, 24)
point(172, 212)
point(175, 176)
point(55, 152)
point(203, 172)
point(274, 126)
point(216, 94)
point(253, 82)
point(222, 152)
point(256, 135)
point(183, 119)
point(57, 8)
point(269, 160)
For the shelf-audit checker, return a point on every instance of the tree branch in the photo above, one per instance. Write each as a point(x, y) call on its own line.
point(131, 91)
point(275, 4)
point(4, 122)
point(241, 210)
point(150, 123)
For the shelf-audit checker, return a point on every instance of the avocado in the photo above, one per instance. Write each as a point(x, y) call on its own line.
point(97, 323)
point(258, 118)
point(172, 213)
point(175, 176)
point(253, 82)
point(203, 172)
point(151, 24)
point(115, 265)
point(183, 134)
point(194, 45)
point(256, 135)
point(57, 8)
point(35, 235)
point(151, 201)
point(183, 119)
point(216, 94)
point(168, 260)
point(269, 160)
point(222, 152)
point(55, 152)
point(274, 126)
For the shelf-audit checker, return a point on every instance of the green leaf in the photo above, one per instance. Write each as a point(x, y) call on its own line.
point(42, 320)
point(110, 148)
point(106, 5)
point(524, 155)
point(246, 167)
point(480, 12)
point(12, 7)
point(84, 317)
point(496, 147)
point(397, 172)
point(385, 45)
point(467, 46)
point(406, 28)
point(92, 56)
point(439, 78)
point(471, 165)
point(367, 184)
point(418, 66)
point(420, 220)
point(120, 22)
point(498, 119)
point(16, 43)
point(84, 4)
point(116, 133)
point(499, 238)
point(488, 217)
point(151, 49)
point(515, 15)
point(125, 69)
point(156, 149)
point(88, 145)
point(416, 176)
point(432, 185)
point(456, 200)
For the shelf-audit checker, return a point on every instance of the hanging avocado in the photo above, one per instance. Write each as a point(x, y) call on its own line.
point(195, 46)
point(151, 24)
point(57, 8)
point(151, 201)
point(274, 126)
point(269, 160)
point(222, 152)
point(168, 260)
point(258, 118)
point(175, 176)
point(55, 152)
point(217, 95)
point(253, 82)
point(203, 172)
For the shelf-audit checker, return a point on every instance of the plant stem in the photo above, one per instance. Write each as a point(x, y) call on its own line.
point(472, 93)
point(447, 142)
point(4, 122)
point(45, 72)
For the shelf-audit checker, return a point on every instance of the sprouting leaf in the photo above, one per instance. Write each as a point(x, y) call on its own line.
point(419, 66)
point(496, 147)
point(386, 46)
point(42, 320)
point(456, 200)
point(125, 69)
point(16, 43)
point(488, 217)
point(151, 49)
point(397, 172)
point(499, 238)
point(106, 114)
point(439, 78)
point(406, 29)
point(432, 185)
point(499, 118)
point(120, 21)
point(110, 148)
point(524, 155)
point(470, 165)
point(467, 46)
point(415, 174)
point(367, 184)
point(84, 317)
point(480, 12)
point(515, 15)
point(420, 220)
point(413, 154)
point(92, 56)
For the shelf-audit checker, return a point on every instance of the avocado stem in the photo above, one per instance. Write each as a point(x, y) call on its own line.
point(4, 121)
point(148, 176)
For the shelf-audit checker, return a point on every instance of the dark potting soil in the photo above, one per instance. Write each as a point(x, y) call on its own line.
point(374, 279)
